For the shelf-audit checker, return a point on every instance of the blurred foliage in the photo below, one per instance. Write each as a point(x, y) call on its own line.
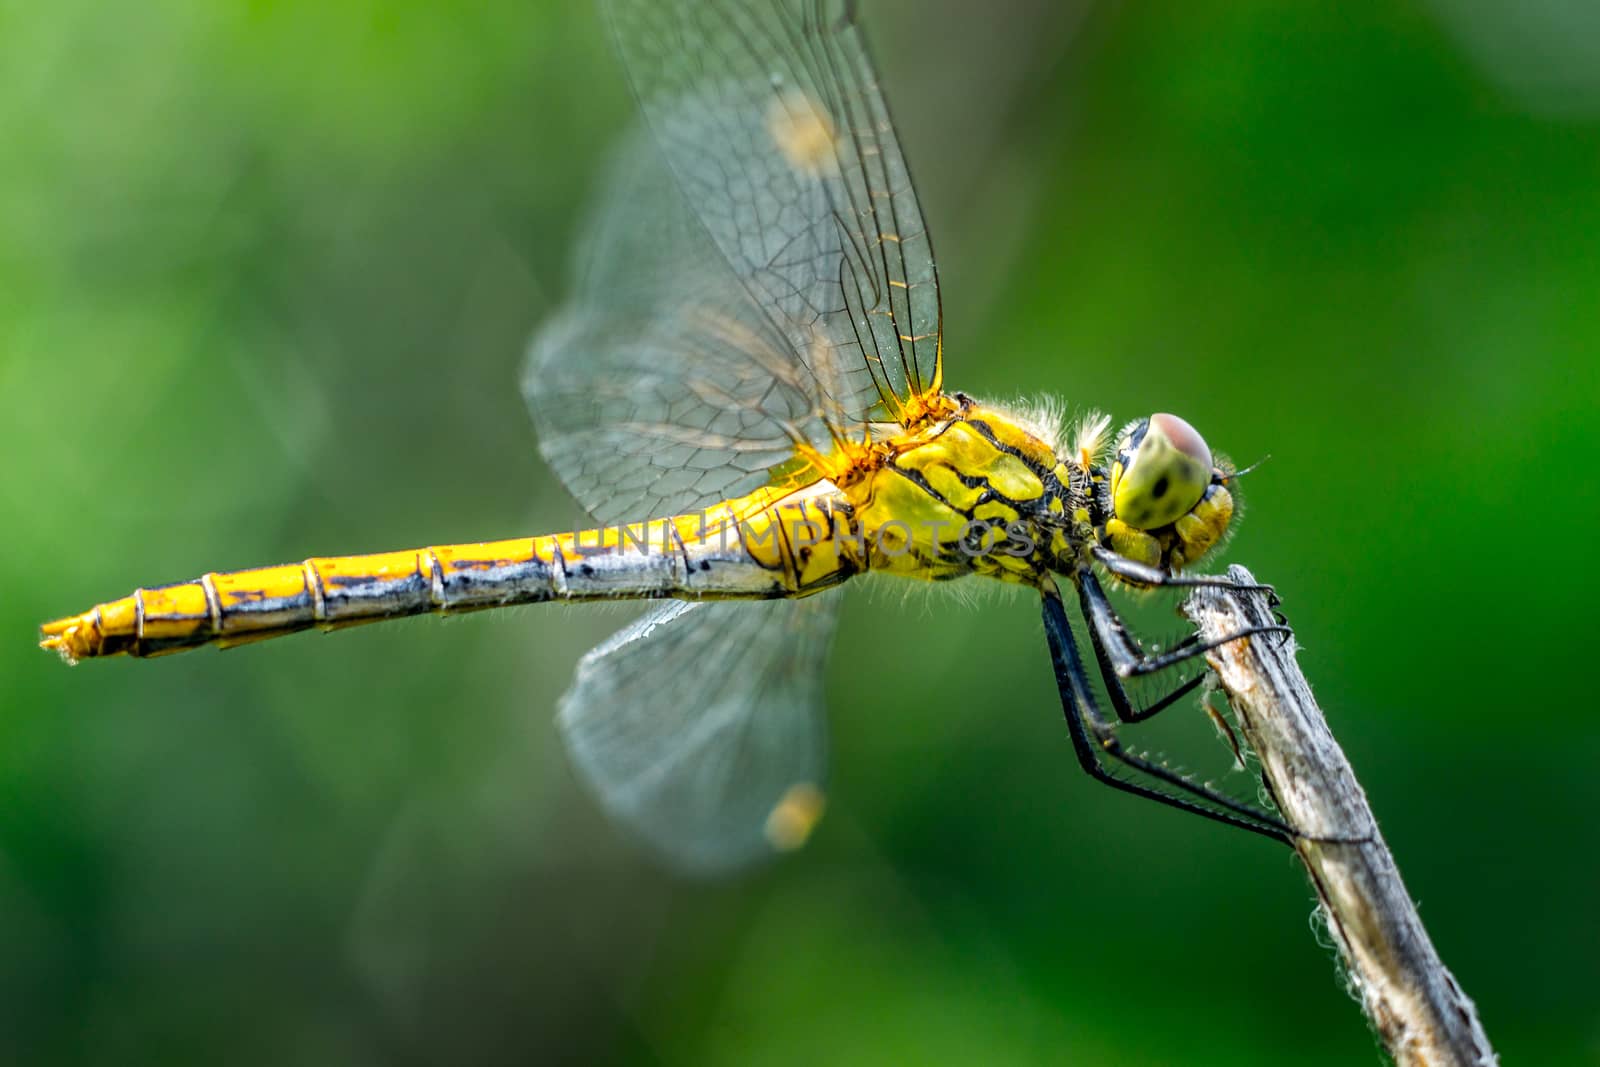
point(266, 273)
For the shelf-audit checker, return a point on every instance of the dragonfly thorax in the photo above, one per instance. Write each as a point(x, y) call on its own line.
point(980, 491)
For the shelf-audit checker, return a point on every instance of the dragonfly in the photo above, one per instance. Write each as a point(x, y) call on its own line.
point(744, 391)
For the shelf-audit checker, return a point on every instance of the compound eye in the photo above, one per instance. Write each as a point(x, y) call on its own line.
point(1160, 473)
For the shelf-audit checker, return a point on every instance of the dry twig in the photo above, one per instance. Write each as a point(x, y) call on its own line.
point(1413, 1003)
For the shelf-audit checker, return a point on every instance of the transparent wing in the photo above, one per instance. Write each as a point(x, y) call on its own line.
point(660, 387)
point(700, 727)
point(770, 116)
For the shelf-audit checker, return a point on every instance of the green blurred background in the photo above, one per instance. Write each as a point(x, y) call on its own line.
point(267, 271)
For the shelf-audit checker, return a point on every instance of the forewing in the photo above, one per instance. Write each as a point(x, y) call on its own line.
point(770, 115)
point(701, 727)
point(660, 386)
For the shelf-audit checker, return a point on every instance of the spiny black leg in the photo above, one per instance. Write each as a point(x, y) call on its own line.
point(1093, 734)
point(1120, 703)
point(1144, 574)
point(1127, 659)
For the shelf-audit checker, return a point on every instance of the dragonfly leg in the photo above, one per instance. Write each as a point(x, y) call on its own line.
point(1116, 645)
point(1129, 713)
point(1094, 736)
point(1121, 703)
point(1144, 574)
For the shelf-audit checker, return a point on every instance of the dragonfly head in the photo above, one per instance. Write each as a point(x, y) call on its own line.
point(1169, 501)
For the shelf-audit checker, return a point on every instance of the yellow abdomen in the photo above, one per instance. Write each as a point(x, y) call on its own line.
point(755, 547)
